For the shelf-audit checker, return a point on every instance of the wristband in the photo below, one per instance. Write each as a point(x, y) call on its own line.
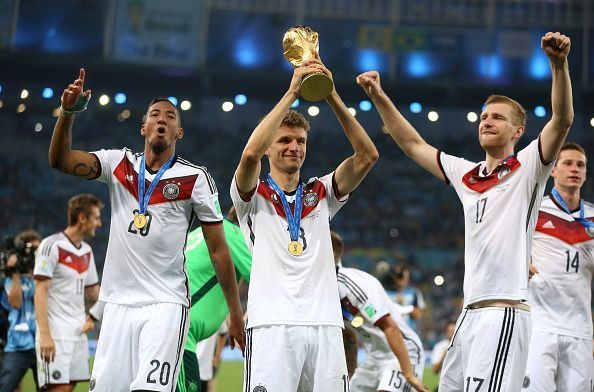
point(79, 106)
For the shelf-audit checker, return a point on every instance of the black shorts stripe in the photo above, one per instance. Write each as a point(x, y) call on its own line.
point(180, 346)
point(248, 360)
point(457, 329)
point(355, 289)
point(505, 338)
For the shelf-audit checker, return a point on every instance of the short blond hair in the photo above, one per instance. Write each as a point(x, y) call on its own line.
point(519, 113)
point(295, 119)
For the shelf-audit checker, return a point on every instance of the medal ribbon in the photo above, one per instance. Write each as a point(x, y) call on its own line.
point(583, 221)
point(294, 220)
point(143, 198)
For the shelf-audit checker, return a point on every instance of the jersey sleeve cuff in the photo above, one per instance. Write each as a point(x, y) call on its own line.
point(41, 277)
point(382, 318)
point(214, 223)
point(438, 158)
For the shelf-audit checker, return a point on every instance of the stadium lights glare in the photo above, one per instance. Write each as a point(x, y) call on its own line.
point(227, 106)
point(295, 104)
point(591, 120)
point(24, 94)
point(394, 232)
point(313, 111)
point(416, 107)
point(540, 111)
point(47, 93)
point(0, 88)
point(173, 100)
point(365, 106)
point(125, 113)
point(120, 98)
point(38, 127)
point(472, 117)
point(439, 280)
point(1, 104)
point(185, 105)
point(352, 111)
point(240, 99)
point(103, 100)
point(21, 108)
point(56, 112)
point(433, 116)
point(120, 117)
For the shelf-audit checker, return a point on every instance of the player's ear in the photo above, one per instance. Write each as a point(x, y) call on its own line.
point(142, 130)
point(180, 133)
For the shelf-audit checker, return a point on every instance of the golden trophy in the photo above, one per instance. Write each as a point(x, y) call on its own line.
point(299, 45)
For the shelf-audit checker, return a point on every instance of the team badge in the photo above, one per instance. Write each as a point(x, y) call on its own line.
point(274, 198)
point(56, 375)
point(92, 383)
point(259, 388)
point(310, 199)
point(171, 191)
point(526, 382)
point(504, 171)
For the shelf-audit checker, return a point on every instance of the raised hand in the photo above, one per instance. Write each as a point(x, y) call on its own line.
point(71, 93)
point(370, 82)
point(556, 46)
point(308, 67)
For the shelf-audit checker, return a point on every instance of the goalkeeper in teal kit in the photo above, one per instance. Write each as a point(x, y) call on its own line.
point(208, 307)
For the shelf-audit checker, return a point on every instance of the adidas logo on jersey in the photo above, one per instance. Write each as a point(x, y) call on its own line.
point(548, 225)
point(68, 259)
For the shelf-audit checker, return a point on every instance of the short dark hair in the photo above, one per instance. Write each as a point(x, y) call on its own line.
point(27, 236)
point(294, 119)
point(519, 113)
point(162, 99)
point(399, 270)
point(337, 243)
point(82, 203)
point(572, 146)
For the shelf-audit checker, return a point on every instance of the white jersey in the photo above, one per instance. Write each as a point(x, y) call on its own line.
point(362, 295)
point(500, 213)
point(560, 294)
point(147, 266)
point(71, 269)
point(287, 289)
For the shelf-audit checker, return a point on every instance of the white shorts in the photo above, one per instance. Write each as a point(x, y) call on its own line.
point(488, 352)
point(283, 358)
point(71, 363)
point(384, 376)
point(558, 363)
point(140, 348)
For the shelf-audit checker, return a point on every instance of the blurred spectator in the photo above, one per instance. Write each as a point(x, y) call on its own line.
point(407, 296)
point(439, 350)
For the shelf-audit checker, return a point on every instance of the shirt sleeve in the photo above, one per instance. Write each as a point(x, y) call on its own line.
point(371, 306)
point(335, 200)
point(46, 260)
point(531, 158)
point(205, 198)
point(108, 159)
point(241, 206)
point(92, 278)
point(454, 168)
point(420, 301)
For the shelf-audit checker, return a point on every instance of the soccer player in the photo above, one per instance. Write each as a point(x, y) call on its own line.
point(500, 198)
point(395, 358)
point(65, 274)
point(560, 354)
point(209, 309)
point(294, 319)
point(155, 194)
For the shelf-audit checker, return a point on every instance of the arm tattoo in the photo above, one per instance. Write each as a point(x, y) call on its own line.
point(83, 170)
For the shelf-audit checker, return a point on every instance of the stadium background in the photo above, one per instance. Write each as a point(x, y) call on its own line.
point(439, 60)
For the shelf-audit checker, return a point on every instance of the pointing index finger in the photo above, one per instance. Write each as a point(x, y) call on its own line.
point(81, 75)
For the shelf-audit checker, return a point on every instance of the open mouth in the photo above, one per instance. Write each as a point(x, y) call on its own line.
point(161, 131)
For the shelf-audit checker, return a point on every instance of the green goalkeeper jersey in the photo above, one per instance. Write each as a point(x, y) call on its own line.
point(208, 306)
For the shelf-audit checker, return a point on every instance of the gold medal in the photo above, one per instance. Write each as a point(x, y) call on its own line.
point(357, 321)
point(139, 220)
point(295, 248)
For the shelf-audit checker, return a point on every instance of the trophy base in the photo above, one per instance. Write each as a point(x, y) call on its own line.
point(316, 87)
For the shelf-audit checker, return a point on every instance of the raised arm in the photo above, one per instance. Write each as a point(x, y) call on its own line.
point(352, 170)
point(214, 235)
point(403, 133)
point(248, 170)
point(556, 46)
point(396, 342)
point(61, 156)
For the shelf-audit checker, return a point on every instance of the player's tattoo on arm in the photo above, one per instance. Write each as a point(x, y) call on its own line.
point(83, 170)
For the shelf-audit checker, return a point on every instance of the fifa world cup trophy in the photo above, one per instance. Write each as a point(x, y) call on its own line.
point(299, 45)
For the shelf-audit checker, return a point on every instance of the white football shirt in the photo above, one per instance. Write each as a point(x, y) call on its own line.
point(499, 221)
point(561, 294)
point(286, 289)
point(147, 266)
point(71, 269)
point(363, 295)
